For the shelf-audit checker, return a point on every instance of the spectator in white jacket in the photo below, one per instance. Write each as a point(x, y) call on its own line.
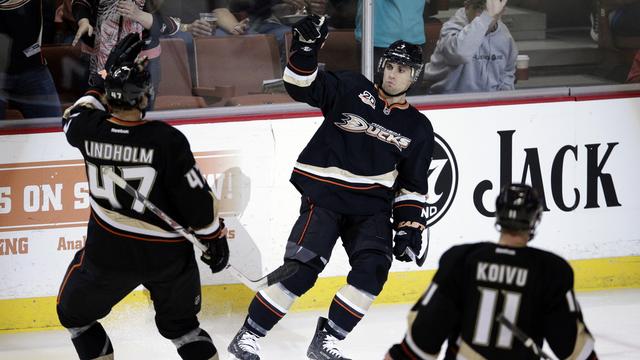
point(475, 52)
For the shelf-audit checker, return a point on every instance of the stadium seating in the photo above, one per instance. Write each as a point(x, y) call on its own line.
point(235, 65)
point(176, 89)
point(69, 70)
point(340, 50)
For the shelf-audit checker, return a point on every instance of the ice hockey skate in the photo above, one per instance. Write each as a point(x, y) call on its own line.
point(324, 345)
point(244, 345)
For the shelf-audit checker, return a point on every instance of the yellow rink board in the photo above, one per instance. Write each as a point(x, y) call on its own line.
point(402, 287)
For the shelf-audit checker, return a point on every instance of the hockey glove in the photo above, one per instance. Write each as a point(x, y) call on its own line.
point(309, 34)
point(125, 52)
point(407, 237)
point(217, 256)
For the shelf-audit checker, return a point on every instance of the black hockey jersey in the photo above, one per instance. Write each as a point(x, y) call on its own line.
point(153, 157)
point(477, 282)
point(367, 155)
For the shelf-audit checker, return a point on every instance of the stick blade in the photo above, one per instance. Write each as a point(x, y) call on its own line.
point(283, 272)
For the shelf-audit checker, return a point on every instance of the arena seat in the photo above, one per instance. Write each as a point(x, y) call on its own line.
point(236, 65)
point(13, 114)
point(69, 69)
point(340, 50)
point(176, 89)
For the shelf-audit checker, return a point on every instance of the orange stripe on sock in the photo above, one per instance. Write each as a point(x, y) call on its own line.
point(352, 312)
point(266, 304)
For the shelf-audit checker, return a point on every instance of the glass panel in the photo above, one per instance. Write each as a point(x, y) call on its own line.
point(211, 54)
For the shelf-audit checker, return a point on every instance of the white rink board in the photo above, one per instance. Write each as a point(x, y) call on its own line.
point(261, 204)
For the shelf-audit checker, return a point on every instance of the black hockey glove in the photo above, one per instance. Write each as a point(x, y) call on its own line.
point(125, 52)
point(309, 34)
point(407, 237)
point(217, 256)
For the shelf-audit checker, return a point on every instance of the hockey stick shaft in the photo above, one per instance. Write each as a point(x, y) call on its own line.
point(275, 276)
point(523, 337)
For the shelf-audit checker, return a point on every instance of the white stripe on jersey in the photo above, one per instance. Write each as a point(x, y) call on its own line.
point(210, 229)
point(129, 224)
point(387, 179)
point(89, 101)
point(299, 80)
point(404, 195)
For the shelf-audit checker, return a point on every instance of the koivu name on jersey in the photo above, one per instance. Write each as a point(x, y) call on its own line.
point(501, 273)
point(354, 123)
point(114, 152)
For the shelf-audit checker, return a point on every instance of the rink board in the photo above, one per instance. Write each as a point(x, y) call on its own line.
point(583, 154)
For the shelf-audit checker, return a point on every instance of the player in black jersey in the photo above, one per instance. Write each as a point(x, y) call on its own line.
point(476, 283)
point(367, 163)
point(127, 245)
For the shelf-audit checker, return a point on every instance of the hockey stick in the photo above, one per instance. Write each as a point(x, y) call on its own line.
point(276, 276)
point(523, 337)
point(419, 260)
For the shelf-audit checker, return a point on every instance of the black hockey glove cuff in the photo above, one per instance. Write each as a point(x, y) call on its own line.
point(217, 255)
point(407, 238)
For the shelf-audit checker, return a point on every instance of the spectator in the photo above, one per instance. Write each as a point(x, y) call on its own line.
point(475, 51)
point(623, 18)
point(393, 20)
point(102, 23)
point(467, 295)
point(26, 83)
point(186, 14)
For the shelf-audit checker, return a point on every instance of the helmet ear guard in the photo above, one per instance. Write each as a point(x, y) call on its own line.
point(518, 208)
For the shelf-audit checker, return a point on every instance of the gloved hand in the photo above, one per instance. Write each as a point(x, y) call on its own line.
point(125, 52)
point(407, 237)
point(309, 33)
point(217, 256)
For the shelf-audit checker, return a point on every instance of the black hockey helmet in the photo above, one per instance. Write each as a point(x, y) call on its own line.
point(127, 79)
point(518, 207)
point(126, 85)
point(402, 52)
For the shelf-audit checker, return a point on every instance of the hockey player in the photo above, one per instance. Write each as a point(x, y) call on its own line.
point(127, 246)
point(367, 163)
point(475, 283)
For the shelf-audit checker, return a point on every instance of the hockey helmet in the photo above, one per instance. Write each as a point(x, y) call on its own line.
point(404, 53)
point(518, 207)
point(126, 85)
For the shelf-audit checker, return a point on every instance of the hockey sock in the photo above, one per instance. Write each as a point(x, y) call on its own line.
point(268, 307)
point(196, 345)
point(91, 342)
point(347, 308)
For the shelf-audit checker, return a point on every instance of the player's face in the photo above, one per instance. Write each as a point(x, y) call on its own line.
point(396, 78)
